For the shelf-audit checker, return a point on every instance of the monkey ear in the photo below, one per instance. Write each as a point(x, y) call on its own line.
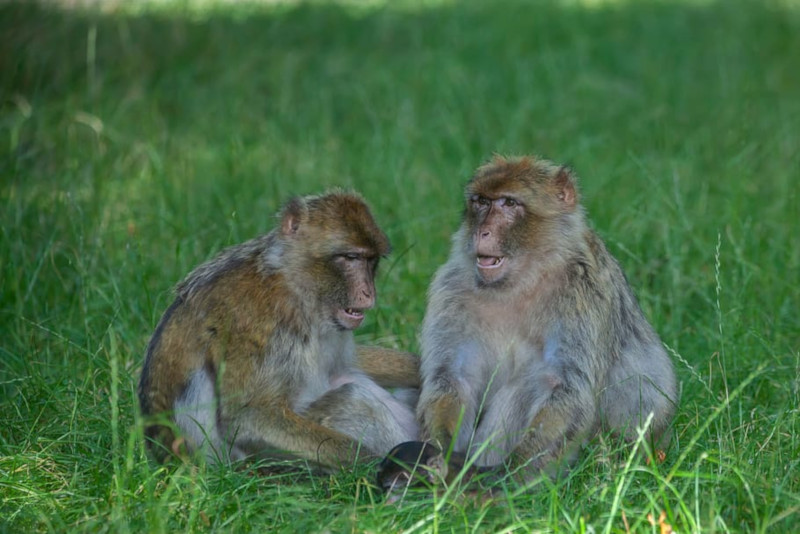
point(565, 186)
point(292, 215)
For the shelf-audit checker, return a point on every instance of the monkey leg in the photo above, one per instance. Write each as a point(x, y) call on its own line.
point(502, 426)
point(195, 414)
point(630, 398)
point(555, 434)
point(367, 413)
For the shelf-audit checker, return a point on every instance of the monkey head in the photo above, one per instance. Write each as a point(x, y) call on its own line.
point(332, 247)
point(516, 209)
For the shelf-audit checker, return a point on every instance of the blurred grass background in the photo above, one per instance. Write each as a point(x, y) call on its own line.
point(137, 139)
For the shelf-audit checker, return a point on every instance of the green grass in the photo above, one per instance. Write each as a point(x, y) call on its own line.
point(136, 144)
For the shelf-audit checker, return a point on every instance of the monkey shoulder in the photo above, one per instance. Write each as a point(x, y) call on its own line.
point(603, 295)
point(449, 307)
point(248, 298)
point(245, 316)
point(590, 278)
point(229, 260)
point(597, 266)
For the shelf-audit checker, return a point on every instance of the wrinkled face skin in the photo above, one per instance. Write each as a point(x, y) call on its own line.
point(353, 245)
point(333, 246)
point(354, 291)
point(493, 220)
point(515, 210)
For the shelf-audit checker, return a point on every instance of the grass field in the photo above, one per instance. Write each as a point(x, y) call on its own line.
point(138, 139)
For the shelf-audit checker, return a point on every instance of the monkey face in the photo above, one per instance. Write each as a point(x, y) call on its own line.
point(355, 273)
point(335, 245)
point(491, 220)
point(513, 211)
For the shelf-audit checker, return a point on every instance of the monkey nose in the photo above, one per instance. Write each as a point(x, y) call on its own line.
point(366, 299)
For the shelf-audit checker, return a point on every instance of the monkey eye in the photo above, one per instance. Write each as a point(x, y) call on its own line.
point(478, 199)
point(510, 202)
point(351, 256)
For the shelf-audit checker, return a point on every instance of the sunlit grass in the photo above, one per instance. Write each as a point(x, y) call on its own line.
point(204, 8)
point(200, 9)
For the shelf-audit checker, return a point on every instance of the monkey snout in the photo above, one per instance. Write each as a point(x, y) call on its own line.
point(364, 300)
point(482, 235)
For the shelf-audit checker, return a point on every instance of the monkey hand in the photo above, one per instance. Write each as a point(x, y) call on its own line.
point(412, 463)
point(422, 464)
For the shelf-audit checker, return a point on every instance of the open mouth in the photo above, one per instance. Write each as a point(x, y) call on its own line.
point(353, 313)
point(490, 262)
point(350, 318)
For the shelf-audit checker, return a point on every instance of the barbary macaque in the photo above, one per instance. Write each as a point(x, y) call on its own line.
point(533, 339)
point(256, 356)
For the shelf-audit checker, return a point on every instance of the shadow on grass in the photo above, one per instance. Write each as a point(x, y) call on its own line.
point(350, 73)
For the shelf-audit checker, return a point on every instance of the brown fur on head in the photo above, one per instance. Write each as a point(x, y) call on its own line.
point(335, 241)
point(548, 188)
point(343, 217)
point(515, 209)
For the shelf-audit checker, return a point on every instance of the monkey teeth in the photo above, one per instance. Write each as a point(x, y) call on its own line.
point(350, 318)
point(490, 262)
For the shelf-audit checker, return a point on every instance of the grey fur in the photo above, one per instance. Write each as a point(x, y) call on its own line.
point(564, 333)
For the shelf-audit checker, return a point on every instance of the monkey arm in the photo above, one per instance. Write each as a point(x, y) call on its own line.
point(257, 414)
point(262, 427)
point(448, 405)
point(452, 382)
point(367, 413)
point(389, 367)
point(442, 421)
